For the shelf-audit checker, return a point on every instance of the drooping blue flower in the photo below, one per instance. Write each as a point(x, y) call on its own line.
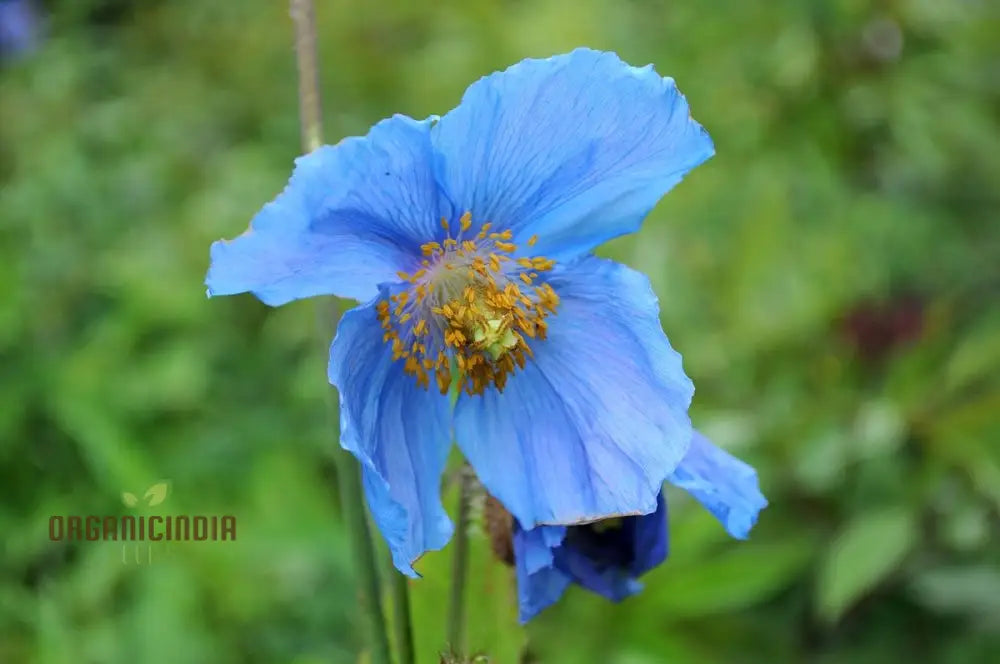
point(467, 239)
point(608, 557)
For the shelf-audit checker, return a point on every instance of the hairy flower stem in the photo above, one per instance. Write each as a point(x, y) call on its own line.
point(460, 563)
point(369, 593)
point(401, 616)
point(304, 17)
point(348, 476)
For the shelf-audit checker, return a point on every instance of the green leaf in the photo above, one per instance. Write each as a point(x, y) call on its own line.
point(977, 355)
point(964, 435)
point(868, 550)
point(970, 590)
point(743, 575)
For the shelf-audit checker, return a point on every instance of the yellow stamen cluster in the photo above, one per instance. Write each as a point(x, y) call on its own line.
point(470, 308)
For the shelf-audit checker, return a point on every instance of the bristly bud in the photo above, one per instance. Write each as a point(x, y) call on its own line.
point(499, 525)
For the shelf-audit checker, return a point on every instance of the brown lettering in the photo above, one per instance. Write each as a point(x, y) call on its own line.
point(74, 530)
point(93, 531)
point(182, 528)
point(229, 528)
point(153, 535)
point(110, 528)
point(200, 528)
point(128, 528)
point(56, 527)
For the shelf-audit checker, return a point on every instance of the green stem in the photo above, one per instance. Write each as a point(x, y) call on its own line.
point(401, 615)
point(369, 594)
point(307, 62)
point(348, 475)
point(460, 563)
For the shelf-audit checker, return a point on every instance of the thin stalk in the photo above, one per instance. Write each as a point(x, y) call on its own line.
point(401, 615)
point(307, 61)
point(348, 475)
point(369, 593)
point(460, 564)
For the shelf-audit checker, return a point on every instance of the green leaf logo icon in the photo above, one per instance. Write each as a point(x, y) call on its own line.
point(157, 493)
point(129, 499)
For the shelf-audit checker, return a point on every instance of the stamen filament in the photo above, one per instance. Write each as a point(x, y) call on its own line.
point(472, 301)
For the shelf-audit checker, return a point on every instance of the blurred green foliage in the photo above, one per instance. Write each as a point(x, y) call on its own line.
point(831, 277)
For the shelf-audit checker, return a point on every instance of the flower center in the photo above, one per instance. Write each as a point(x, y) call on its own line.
point(471, 308)
point(607, 525)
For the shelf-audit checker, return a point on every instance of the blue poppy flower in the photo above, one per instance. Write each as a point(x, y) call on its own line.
point(607, 557)
point(467, 238)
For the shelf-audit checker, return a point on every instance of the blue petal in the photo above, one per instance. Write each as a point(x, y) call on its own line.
point(726, 486)
point(613, 583)
point(548, 558)
point(351, 217)
point(539, 583)
point(597, 420)
point(651, 538)
point(608, 562)
point(398, 431)
point(576, 148)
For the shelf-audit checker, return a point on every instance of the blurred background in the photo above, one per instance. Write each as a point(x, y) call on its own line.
point(831, 277)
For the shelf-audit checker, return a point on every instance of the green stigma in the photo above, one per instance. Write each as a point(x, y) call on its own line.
point(604, 525)
point(495, 338)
